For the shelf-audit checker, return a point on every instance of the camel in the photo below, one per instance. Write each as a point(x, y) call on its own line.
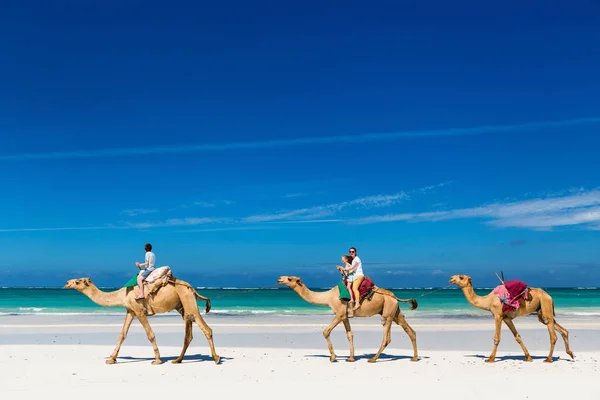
point(383, 303)
point(539, 302)
point(176, 295)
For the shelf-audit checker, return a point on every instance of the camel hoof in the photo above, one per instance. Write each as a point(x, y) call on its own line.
point(217, 359)
point(176, 361)
point(372, 360)
point(414, 359)
point(490, 360)
point(528, 359)
point(571, 354)
point(548, 360)
point(351, 359)
point(111, 361)
point(156, 362)
point(332, 358)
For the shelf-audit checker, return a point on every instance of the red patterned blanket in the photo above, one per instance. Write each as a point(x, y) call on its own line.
point(365, 288)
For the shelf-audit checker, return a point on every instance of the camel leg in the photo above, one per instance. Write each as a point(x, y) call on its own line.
point(186, 341)
point(387, 338)
point(498, 323)
point(208, 333)
point(151, 337)
point(565, 335)
point(128, 320)
point(553, 338)
point(512, 328)
point(350, 337)
point(399, 319)
point(327, 332)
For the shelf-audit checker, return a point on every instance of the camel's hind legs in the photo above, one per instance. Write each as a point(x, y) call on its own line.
point(565, 335)
point(207, 332)
point(400, 320)
point(128, 320)
point(186, 341)
point(387, 338)
point(553, 339)
point(512, 328)
point(327, 333)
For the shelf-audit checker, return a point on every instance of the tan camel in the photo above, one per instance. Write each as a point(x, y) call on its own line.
point(540, 303)
point(383, 303)
point(176, 295)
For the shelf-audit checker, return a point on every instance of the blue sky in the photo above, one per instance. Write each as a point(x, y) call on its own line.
point(251, 141)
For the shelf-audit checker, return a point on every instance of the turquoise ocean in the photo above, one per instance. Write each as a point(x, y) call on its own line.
point(433, 303)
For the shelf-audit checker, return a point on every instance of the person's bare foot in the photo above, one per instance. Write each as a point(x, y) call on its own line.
point(140, 297)
point(356, 307)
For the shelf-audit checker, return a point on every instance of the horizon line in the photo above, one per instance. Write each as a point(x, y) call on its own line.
point(271, 143)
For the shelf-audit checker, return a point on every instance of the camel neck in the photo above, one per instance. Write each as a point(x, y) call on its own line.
point(474, 299)
point(317, 298)
point(106, 299)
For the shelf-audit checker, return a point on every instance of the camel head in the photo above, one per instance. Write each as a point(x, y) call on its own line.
point(79, 284)
point(290, 281)
point(461, 280)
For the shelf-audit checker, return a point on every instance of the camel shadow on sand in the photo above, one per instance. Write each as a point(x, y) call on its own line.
point(188, 359)
point(382, 358)
point(517, 358)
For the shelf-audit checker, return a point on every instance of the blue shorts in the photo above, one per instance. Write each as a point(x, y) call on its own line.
point(146, 272)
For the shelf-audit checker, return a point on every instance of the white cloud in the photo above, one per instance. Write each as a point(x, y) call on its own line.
point(313, 140)
point(543, 213)
point(179, 222)
point(138, 211)
point(294, 195)
point(317, 212)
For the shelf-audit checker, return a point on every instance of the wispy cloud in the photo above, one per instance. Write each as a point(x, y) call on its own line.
point(178, 222)
point(68, 228)
point(294, 195)
point(543, 213)
point(203, 204)
point(366, 137)
point(138, 211)
point(319, 212)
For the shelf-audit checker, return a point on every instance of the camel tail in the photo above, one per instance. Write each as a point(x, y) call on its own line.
point(200, 297)
point(413, 303)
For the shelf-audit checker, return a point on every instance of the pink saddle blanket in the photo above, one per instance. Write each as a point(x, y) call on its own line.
point(510, 293)
point(158, 273)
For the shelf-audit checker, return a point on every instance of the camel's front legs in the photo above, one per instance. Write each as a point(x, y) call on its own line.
point(186, 340)
point(553, 338)
point(498, 322)
point(350, 337)
point(151, 337)
point(512, 328)
point(387, 338)
point(128, 319)
point(336, 320)
point(400, 320)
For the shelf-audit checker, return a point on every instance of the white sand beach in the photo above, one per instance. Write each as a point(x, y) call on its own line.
point(274, 357)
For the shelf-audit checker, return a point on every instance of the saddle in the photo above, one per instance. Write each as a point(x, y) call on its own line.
point(159, 278)
point(512, 293)
point(366, 290)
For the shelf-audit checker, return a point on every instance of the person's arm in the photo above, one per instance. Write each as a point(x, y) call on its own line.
point(352, 267)
point(139, 265)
